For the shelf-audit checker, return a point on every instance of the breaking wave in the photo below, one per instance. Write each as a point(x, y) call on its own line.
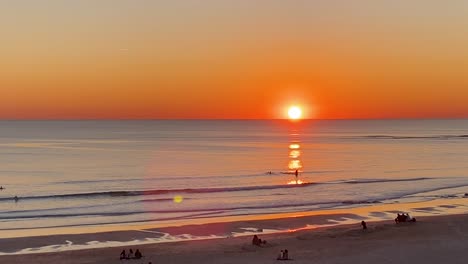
point(203, 190)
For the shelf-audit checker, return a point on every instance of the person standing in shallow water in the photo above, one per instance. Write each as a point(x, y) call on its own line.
point(297, 174)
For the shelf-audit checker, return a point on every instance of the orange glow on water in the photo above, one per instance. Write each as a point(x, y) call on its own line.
point(295, 165)
point(294, 154)
point(296, 182)
point(294, 146)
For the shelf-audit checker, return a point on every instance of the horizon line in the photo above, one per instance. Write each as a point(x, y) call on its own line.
point(232, 119)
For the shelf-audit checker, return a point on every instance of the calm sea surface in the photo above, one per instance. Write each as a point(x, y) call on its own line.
point(75, 173)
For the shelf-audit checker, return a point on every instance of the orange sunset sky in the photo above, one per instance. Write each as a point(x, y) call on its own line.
point(85, 59)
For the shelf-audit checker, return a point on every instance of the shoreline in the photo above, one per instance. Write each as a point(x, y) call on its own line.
point(426, 241)
point(227, 227)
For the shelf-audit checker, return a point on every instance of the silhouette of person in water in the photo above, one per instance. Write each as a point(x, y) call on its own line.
point(1, 187)
point(364, 224)
point(297, 174)
point(16, 198)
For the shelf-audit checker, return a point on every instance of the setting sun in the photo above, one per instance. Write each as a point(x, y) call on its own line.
point(294, 112)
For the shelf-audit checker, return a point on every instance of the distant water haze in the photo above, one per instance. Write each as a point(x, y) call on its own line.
point(77, 173)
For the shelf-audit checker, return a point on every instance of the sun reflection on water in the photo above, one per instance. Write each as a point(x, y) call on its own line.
point(294, 146)
point(296, 182)
point(295, 166)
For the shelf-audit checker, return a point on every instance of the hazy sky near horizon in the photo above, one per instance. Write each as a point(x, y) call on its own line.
point(233, 59)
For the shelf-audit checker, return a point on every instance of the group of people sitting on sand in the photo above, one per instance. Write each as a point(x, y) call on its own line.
point(404, 217)
point(257, 241)
point(283, 255)
point(131, 255)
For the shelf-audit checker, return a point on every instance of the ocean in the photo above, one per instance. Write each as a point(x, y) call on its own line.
point(98, 173)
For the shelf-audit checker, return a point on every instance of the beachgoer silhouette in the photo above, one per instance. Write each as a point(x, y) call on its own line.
point(280, 256)
point(398, 218)
point(16, 198)
point(407, 217)
point(256, 241)
point(285, 254)
point(1, 187)
point(297, 174)
point(130, 254)
point(138, 254)
point(364, 224)
point(123, 255)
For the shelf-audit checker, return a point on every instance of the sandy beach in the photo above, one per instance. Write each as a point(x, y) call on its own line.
point(433, 239)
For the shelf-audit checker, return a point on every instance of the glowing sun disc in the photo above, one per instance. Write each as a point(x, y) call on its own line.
point(294, 112)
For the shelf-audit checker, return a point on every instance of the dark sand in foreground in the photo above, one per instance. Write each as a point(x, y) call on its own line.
point(435, 239)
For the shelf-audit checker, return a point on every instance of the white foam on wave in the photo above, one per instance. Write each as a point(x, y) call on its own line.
point(254, 231)
point(69, 245)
